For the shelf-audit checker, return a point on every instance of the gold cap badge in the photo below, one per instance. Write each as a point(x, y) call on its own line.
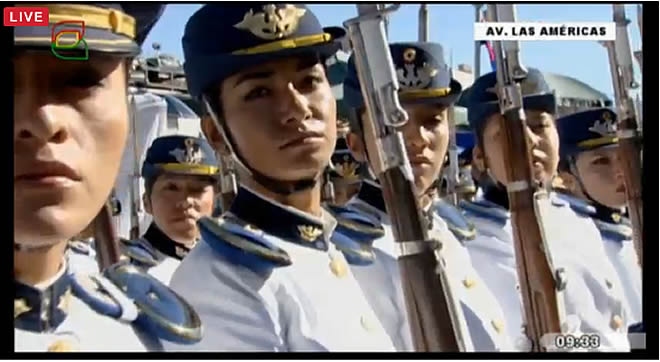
point(191, 155)
point(272, 23)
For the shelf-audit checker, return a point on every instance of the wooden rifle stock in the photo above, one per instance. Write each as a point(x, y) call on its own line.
point(431, 311)
point(105, 238)
point(536, 279)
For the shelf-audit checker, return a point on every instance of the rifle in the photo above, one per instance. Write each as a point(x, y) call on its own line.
point(105, 238)
point(638, 54)
point(534, 266)
point(621, 67)
point(477, 43)
point(135, 179)
point(423, 23)
point(432, 312)
point(453, 174)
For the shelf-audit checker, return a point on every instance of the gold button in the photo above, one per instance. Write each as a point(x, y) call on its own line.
point(338, 267)
point(617, 322)
point(497, 325)
point(61, 346)
point(366, 324)
point(469, 282)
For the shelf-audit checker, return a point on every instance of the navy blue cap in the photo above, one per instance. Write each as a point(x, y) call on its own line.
point(345, 167)
point(587, 130)
point(481, 98)
point(423, 76)
point(118, 29)
point(222, 39)
point(179, 155)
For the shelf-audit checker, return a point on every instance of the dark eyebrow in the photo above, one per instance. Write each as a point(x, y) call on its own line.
point(253, 75)
point(307, 62)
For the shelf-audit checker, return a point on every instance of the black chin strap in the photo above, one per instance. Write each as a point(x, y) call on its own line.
point(280, 187)
point(574, 171)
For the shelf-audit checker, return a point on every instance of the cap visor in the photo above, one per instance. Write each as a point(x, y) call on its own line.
point(96, 40)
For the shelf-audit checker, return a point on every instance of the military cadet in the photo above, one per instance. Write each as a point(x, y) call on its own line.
point(589, 169)
point(592, 297)
point(268, 275)
point(426, 93)
point(180, 175)
point(70, 127)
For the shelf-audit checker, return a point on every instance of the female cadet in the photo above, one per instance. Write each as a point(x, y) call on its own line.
point(589, 168)
point(426, 92)
point(592, 298)
point(70, 126)
point(180, 176)
point(267, 275)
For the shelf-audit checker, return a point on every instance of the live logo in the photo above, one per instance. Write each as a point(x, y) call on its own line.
point(26, 16)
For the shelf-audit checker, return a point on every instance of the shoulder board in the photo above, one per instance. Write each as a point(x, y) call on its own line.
point(485, 209)
point(161, 312)
point(241, 244)
point(355, 233)
point(615, 232)
point(139, 253)
point(102, 296)
point(456, 221)
point(580, 207)
point(357, 224)
point(355, 252)
point(81, 247)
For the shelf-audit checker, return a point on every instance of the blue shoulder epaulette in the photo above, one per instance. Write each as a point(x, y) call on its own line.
point(485, 209)
point(160, 311)
point(456, 221)
point(241, 244)
point(355, 233)
point(128, 294)
point(579, 206)
point(140, 253)
point(615, 232)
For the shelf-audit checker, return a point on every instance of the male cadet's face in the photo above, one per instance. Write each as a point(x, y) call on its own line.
point(426, 136)
point(70, 126)
point(177, 202)
point(601, 176)
point(543, 140)
point(282, 115)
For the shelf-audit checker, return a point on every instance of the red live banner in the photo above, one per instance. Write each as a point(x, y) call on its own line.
point(26, 16)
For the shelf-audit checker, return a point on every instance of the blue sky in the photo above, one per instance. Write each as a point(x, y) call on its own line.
point(451, 25)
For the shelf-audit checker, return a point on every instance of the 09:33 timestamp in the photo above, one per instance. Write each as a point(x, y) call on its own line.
point(583, 341)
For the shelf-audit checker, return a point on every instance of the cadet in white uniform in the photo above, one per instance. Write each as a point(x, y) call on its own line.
point(180, 175)
point(426, 93)
point(68, 142)
point(593, 297)
point(268, 275)
point(590, 171)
